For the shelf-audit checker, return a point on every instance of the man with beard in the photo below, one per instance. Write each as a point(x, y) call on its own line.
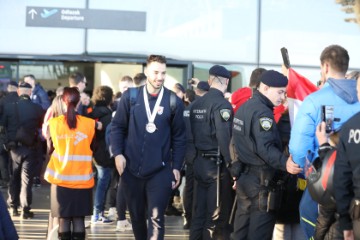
point(150, 161)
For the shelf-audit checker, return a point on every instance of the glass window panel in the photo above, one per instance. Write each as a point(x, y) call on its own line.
point(209, 30)
point(305, 28)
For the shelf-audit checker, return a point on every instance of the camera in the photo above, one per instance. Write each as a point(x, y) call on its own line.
point(327, 116)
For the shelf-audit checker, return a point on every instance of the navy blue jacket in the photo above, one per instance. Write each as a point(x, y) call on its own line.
point(40, 96)
point(146, 153)
point(7, 228)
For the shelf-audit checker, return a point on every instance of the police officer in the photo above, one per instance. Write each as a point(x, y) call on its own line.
point(258, 145)
point(211, 120)
point(5, 164)
point(201, 89)
point(346, 176)
point(27, 116)
point(150, 161)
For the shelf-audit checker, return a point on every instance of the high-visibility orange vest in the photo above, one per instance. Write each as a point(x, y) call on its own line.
point(70, 164)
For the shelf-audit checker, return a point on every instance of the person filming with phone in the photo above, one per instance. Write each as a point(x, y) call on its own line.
point(338, 94)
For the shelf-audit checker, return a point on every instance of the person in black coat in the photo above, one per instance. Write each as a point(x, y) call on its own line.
point(327, 224)
point(260, 154)
point(102, 112)
point(211, 121)
point(21, 121)
point(5, 165)
point(346, 177)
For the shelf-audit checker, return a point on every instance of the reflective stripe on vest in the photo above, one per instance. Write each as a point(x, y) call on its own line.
point(69, 177)
point(80, 158)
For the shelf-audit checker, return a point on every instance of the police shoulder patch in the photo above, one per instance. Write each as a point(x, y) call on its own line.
point(225, 114)
point(266, 123)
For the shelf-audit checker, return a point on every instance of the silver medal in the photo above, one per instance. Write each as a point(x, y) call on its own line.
point(150, 127)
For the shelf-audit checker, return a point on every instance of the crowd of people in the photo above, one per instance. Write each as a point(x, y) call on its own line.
point(242, 163)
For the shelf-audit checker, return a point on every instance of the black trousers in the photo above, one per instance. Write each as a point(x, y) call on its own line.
point(252, 221)
point(188, 194)
point(121, 201)
point(210, 221)
point(147, 199)
point(4, 165)
point(20, 186)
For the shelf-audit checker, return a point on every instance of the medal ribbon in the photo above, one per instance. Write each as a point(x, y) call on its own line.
point(151, 116)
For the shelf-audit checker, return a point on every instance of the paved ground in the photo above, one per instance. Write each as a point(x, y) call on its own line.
point(36, 228)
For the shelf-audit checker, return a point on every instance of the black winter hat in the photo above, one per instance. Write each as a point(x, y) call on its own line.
point(24, 85)
point(203, 86)
point(273, 78)
point(219, 71)
point(13, 83)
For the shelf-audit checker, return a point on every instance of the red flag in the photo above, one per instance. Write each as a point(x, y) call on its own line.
point(298, 88)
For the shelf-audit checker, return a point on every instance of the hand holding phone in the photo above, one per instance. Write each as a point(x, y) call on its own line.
point(327, 116)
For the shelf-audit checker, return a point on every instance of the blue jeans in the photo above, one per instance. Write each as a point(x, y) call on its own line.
point(308, 214)
point(102, 185)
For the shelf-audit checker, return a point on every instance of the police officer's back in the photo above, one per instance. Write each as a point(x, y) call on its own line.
point(258, 145)
point(28, 113)
point(347, 176)
point(10, 97)
point(211, 120)
point(21, 121)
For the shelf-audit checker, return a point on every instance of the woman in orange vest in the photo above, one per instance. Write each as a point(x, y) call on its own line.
point(70, 167)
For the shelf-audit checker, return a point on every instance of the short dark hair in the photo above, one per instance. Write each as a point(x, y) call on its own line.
point(30, 76)
point(337, 57)
point(190, 94)
point(139, 78)
point(156, 58)
point(75, 78)
point(102, 96)
point(126, 78)
point(255, 77)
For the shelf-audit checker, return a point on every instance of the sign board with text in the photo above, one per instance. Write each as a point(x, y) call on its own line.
point(85, 18)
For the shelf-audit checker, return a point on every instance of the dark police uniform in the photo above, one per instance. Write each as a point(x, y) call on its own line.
point(5, 164)
point(150, 158)
point(259, 148)
point(189, 171)
point(211, 121)
point(347, 176)
point(29, 116)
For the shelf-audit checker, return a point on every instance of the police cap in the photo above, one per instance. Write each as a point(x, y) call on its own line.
point(13, 83)
point(219, 71)
point(203, 86)
point(24, 85)
point(273, 78)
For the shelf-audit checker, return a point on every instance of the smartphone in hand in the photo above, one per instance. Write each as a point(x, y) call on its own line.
point(327, 116)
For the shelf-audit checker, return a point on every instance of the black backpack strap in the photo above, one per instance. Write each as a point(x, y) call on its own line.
point(134, 92)
point(172, 103)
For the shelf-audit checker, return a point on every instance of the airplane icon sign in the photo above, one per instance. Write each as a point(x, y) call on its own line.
point(47, 13)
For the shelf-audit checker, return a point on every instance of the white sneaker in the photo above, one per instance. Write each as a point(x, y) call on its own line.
point(123, 225)
point(112, 214)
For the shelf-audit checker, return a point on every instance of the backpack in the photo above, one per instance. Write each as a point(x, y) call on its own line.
point(133, 97)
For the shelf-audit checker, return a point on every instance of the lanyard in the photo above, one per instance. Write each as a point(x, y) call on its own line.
point(151, 115)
